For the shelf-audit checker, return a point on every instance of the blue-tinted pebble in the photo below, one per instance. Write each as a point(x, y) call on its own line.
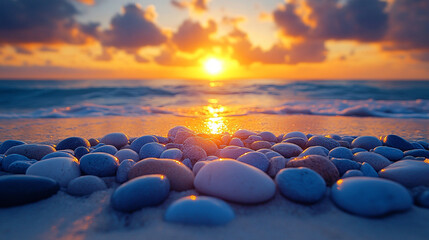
point(368, 170)
point(423, 199)
point(272, 154)
point(198, 210)
point(85, 185)
point(144, 191)
point(137, 144)
point(328, 143)
point(344, 144)
point(410, 173)
point(8, 144)
point(99, 164)
point(93, 142)
point(99, 145)
point(73, 143)
point(366, 142)
point(268, 136)
point(347, 139)
point(124, 154)
point(352, 173)
point(116, 139)
point(256, 159)
point(123, 170)
point(106, 149)
point(276, 164)
point(393, 154)
point(356, 150)
point(151, 150)
point(417, 153)
point(341, 152)
point(377, 161)
point(32, 151)
point(172, 153)
point(315, 150)
point(9, 159)
point(187, 162)
point(334, 136)
point(19, 167)
point(424, 144)
point(297, 134)
point(236, 142)
point(417, 145)
point(297, 141)
point(57, 154)
point(287, 150)
point(80, 152)
point(233, 152)
point(22, 189)
point(397, 142)
point(161, 139)
point(343, 165)
point(61, 169)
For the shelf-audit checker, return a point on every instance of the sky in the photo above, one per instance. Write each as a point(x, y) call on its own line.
point(175, 39)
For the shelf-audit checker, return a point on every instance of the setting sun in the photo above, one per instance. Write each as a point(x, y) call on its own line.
point(213, 66)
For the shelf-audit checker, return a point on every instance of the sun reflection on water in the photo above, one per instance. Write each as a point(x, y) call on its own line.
point(215, 122)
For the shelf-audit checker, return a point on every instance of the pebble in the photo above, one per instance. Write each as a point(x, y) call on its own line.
point(410, 173)
point(397, 142)
point(9, 159)
point(116, 139)
point(19, 167)
point(424, 144)
point(322, 165)
point(140, 192)
point(181, 136)
point(366, 142)
point(423, 199)
point(377, 161)
point(344, 144)
point(243, 134)
point(61, 169)
point(343, 165)
point(73, 143)
point(328, 143)
point(301, 142)
point(236, 142)
point(295, 134)
point(276, 164)
point(199, 210)
point(22, 189)
point(209, 146)
point(352, 173)
point(370, 197)
point(334, 136)
point(356, 150)
point(301, 185)
point(181, 177)
point(151, 150)
point(315, 150)
point(198, 166)
point(138, 143)
point(234, 181)
point(4, 146)
point(99, 164)
point(368, 170)
point(393, 154)
point(194, 153)
point(124, 154)
point(110, 149)
point(268, 136)
point(341, 152)
point(123, 170)
point(172, 153)
point(80, 152)
point(233, 152)
point(57, 154)
point(187, 162)
point(32, 151)
point(85, 185)
point(287, 150)
point(417, 153)
point(93, 142)
point(172, 132)
point(256, 159)
point(260, 145)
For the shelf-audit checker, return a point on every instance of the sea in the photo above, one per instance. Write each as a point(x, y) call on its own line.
point(98, 98)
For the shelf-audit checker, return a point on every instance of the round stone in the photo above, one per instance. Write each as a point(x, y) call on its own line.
point(316, 150)
point(197, 167)
point(19, 167)
point(22, 189)
point(124, 154)
point(194, 153)
point(352, 173)
point(268, 136)
point(366, 142)
point(301, 142)
point(110, 149)
point(32, 151)
point(233, 152)
point(181, 177)
point(115, 139)
point(73, 143)
point(370, 197)
point(234, 181)
point(243, 134)
point(58, 154)
point(356, 150)
point(417, 153)
point(123, 170)
point(151, 150)
point(343, 165)
point(410, 173)
point(368, 170)
point(80, 151)
point(287, 150)
point(144, 191)
point(172, 153)
point(260, 145)
point(322, 165)
point(138, 143)
point(9, 159)
point(199, 210)
point(377, 161)
point(99, 164)
point(393, 154)
point(93, 142)
point(209, 147)
point(61, 169)
point(423, 199)
point(328, 143)
point(4, 146)
point(256, 159)
point(85, 185)
point(295, 134)
point(172, 132)
point(341, 152)
point(276, 164)
point(182, 135)
point(236, 142)
point(397, 142)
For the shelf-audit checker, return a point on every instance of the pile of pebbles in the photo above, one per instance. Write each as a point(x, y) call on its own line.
point(366, 176)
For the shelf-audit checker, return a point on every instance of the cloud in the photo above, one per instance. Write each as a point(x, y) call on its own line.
point(42, 21)
point(192, 36)
point(198, 6)
point(23, 50)
point(307, 51)
point(289, 22)
point(140, 59)
point(87, 2)
point(133, 29)
point(422, 56)
point(47, 49)
point(169, 57)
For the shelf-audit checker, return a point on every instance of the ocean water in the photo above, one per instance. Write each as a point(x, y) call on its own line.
point(97, 98)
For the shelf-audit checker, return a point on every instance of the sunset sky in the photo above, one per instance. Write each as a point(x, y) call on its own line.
point(175, 39)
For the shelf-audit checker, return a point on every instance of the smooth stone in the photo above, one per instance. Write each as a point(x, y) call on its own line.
point(99, 164)
point(295, 134)
point(352, 173)
point(287, 150)
point(276, 164)
point(57, 154)
point(236, 142)
point(417, 145)
point(93, 142)
point(417, 153)
point(172, 132)
point(393, 154)
point(366, 142)
point(268, 136)
point(9, 159)
point(61, 169)
point(260, 145)
point(32, 151)
point(225, 139)
point(251, 139)
point(356, 150)
point(233, 152)
point(187, 162)
point(316, 150)
point(272, 154)
point(370, 197)
point(174, 145)
point(194, 154)
point(423, 199)
point(181, 136)
point(181, 177)
point(334, 136)
point(199, 210)
point(22, 189)
point(368, 170)
point(424, 144)
point(301, 142)
point(80, 152)
point(410, 173)
point(124, 154)
point(115, 139)
point(301, 185)
point(243, 134)
point(151, 150)
point(322, 165)
point(110, 149)
point(138, 143)
point(377, 161)
point(73, 143)
point(341, 152)
point(140, 192)
point(85, 185)
point(172, 153)
point(209, 146)
point(197, 167)
point(328, 143)
point(123, 170)
point(234, 181)
point(211, 158)
point(348, 139)
point(344, 144)
point(397, 142)
point(256, 159)
point(4, 146)
point(19, 167)
point(344, 165)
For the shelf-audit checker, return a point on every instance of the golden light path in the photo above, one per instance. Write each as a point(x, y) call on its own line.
point(215, 123)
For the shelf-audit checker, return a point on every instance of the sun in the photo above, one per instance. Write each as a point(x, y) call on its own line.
point(213, 66)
